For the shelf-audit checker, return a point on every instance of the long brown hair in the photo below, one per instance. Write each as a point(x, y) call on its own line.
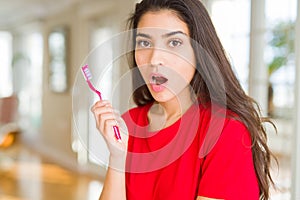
point(206, 81)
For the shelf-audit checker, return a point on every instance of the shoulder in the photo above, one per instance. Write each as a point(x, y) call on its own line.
point(235, 131)
point(221, 116)
point(222, 130)
point(231, 138)
point(228, 159)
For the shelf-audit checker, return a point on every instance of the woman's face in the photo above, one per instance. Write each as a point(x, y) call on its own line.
point(164, 54)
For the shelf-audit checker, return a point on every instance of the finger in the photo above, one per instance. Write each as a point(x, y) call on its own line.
point(100, 110)
point(100, 104)
point(105, 120)
point(108, 129)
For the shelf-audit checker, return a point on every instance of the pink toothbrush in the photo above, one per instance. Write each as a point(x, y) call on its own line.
point(88, 76)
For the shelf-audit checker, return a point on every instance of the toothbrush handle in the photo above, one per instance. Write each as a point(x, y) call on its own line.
point(117, 133)
point(94, 89)
point(116, 128)
point(99, 94)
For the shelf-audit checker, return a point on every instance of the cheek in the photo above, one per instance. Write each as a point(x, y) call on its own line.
point(190, 67)
point(188, 73)
point(141, 62)
point(137, 58)
point(141, 58)
point(186, 68)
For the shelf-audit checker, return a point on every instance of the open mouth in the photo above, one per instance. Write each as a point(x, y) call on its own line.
point(158, 79)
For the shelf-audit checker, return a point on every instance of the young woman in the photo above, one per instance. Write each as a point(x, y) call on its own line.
point(194, 134)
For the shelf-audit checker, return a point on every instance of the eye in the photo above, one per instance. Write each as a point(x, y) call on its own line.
point(175, 43)
point(143, 44)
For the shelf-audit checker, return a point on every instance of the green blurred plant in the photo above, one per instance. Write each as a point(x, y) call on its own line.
point(19, 56)
point(283, 45)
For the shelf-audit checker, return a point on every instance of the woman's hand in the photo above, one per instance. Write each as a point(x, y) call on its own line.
point(106, 118)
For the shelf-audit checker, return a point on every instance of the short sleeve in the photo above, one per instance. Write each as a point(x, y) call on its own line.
point(227, 171)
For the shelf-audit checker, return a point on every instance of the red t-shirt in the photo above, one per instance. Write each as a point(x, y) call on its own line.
point(202, 154)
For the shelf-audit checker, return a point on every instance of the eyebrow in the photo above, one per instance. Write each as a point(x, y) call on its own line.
point(164, 35)
point(143, 35)
point(174, 33)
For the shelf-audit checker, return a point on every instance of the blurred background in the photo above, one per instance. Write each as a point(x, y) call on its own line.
point(43, 43)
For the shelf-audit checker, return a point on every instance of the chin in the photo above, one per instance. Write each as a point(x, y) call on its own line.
point(163, 97)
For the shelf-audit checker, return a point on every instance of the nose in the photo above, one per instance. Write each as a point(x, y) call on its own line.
point(157, 57)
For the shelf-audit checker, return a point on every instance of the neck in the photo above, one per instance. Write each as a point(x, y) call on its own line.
point(178, 105)
point(163, 114)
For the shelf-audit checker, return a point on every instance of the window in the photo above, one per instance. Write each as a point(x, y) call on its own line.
point(232, 21)
point(28, 78)
point(87, 142)
point(6, 85)
point(58, 60)
point(279, 56)
point(280, 16)
point(101, 52)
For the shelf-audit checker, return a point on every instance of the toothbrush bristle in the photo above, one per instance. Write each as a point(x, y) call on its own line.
point(87, 73)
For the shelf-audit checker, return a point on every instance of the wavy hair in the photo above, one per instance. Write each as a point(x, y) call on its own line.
point(206, 81)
